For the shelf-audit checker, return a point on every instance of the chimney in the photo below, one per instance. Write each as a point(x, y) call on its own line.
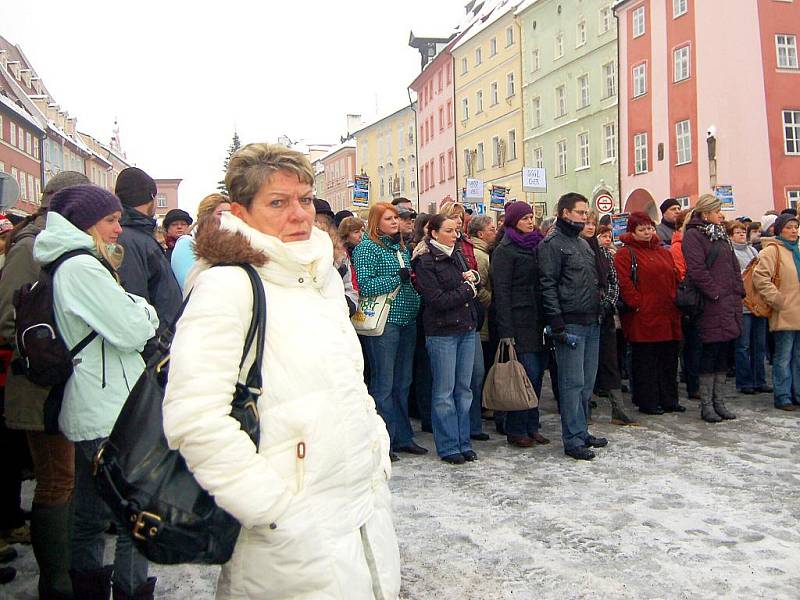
point(354, 123)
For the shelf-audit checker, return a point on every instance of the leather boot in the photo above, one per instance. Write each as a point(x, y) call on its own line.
point(92, 585)
point(618, 414)
point(719, 399)
point(707, 412)
point(143, 592)
point(50, 541)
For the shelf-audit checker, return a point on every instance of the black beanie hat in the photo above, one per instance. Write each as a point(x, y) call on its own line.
point(782, 220)
point(84, 205)
point(323, 207)
point(341, 216)
point(135, 187)
point(667, 204)
point(176, 214)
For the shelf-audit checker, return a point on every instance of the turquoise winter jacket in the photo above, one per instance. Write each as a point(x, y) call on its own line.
point(86, 297)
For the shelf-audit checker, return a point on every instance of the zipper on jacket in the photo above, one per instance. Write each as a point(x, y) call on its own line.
point(103, 359)
point(301, 469)
point(372, 564)
point(124, 376)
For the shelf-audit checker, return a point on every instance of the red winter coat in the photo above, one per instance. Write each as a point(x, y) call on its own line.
point(655, 318)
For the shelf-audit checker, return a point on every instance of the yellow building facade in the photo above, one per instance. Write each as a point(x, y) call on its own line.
point(488, 107)
point(386, 152)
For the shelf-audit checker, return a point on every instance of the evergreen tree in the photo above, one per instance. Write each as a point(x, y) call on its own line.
point(235, 145)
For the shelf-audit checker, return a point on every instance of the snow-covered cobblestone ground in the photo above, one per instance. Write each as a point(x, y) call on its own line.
point(674, 508)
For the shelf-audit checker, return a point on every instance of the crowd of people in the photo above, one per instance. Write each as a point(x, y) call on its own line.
point(336, 409)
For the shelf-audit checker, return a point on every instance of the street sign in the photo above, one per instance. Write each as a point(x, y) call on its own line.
point(474, 189)
point(534, 179)
point(604, 203)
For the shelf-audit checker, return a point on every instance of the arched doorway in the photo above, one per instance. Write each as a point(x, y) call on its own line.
point(642, 200)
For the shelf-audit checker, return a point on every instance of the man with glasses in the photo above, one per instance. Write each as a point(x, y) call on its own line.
point(571, 297)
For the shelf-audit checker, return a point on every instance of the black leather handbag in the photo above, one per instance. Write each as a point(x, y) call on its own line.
point(171, 518)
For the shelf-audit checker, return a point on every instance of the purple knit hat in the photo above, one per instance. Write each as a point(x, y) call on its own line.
point(84, 205)
point(514, 212)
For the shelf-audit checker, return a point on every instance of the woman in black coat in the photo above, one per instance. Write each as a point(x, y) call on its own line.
point(516, 298)
point(449, 317)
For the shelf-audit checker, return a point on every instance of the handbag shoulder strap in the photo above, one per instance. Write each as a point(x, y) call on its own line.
point(634, 268)
point(256, 332)
point(777, 276)
point(400, 259)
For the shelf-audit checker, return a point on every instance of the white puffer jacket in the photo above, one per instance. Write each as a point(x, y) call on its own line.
point(313, 500)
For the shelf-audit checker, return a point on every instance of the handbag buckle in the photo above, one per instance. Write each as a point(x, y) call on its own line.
point(141, 521)
point(97, 459)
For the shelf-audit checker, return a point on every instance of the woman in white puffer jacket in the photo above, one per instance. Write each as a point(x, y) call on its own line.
point(313, 500)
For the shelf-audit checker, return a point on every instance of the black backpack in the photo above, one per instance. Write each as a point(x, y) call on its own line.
point(45, 359)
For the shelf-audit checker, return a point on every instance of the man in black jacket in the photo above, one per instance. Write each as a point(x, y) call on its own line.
point(571, 302)
point(145, 270)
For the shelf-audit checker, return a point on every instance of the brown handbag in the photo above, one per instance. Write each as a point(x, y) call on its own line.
point(507, 386)
point(753, 300)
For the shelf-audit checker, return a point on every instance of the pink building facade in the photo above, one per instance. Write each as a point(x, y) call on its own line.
point(436, 133)
point(709, 98)
point(340, 172)
point(166, 196)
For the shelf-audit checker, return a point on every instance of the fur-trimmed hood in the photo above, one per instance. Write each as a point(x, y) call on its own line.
point(235, 242)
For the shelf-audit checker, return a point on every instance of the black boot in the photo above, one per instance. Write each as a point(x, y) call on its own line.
point(719, 400)
point(143, 592)
point(50, 541)
point(618, 414)
point(707, 412)
point(92, 585)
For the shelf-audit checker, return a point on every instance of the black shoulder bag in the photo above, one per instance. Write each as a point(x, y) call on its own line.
point(689, 298)
point(171, 518)
point(624, 308)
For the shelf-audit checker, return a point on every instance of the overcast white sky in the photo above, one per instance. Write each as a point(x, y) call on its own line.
point(180, 75)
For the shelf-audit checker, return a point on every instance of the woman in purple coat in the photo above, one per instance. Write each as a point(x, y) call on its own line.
point(713, 268)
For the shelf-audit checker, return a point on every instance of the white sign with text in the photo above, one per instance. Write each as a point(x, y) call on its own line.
point(534, 179)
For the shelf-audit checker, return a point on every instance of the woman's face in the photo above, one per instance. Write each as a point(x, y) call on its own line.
point(589, 229)
point(354, 237)
point(283, 208)
point(789, 231)
point(715, 216)
point(739, 235)
point(108, 228)
point(447, 234)
point(459, 221)
point(605, 239)
point(526, 224)
point(389, 223)
point(644, 233)
point(223, 207)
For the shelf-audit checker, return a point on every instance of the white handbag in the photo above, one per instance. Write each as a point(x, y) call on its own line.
point(373, 311)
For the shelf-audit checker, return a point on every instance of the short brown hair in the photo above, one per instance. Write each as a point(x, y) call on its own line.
point(452, 209)
point(732, 226)
point(255, 164)
point(350, 225)
point(604, 229)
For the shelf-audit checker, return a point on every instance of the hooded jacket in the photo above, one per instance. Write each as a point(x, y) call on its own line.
point(313, 498)
point(785, 300)
point(145, 269)
point(86, 297)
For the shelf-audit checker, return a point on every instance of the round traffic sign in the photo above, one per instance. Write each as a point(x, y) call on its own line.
point(604, 203)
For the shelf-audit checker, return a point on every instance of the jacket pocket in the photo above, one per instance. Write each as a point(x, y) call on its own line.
point(288, 459)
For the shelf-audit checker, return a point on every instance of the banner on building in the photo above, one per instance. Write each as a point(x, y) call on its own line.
point(534, 179)
point(497, 199)
point(724, 194)
point(361, 191)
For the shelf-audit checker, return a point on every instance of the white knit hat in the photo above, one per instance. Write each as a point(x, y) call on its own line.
point(767, 221)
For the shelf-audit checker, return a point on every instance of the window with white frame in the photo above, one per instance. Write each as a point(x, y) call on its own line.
point(583, 150)
point(679, 7)
point(684, 201)
point(464, 65)
point(480, 158)
point(2, 167)
point(609, 141)
point(639, 80)
point(681, 69)
point(495, 151)
point(538, 157)
point(31, 189)
point(493, 92)
point(510, 87)
point(640, 153)
point(561, 158)
point(786, 47)
point(161, 201)
point(605, 19)
point(610, 79)
point(512, 144)
point(638, 22)
point(1, 127)
point(536, 62)
point(509, 36)
point(583, 91)
point(683, 142)
point(28, 143)
point(478, 56)
point(465, 109)
point(478, 101)
point(536, 112)
point(561, 101)
point(23, 186)
point(559, 45)
point(791, 131)
point(793, 197)
point(580, 37)
point(13, 134)
point(492, 46)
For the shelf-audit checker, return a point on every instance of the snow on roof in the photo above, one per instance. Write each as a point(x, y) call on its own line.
point(388, 116)
point(350, 143)
point(21, 113)
point(490, 13)
point(525, 5)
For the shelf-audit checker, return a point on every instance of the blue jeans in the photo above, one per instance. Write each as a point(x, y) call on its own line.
point(391, 361)
point(452, 360)
point(521, 423)
point(786, 368)
point(90, 519)
point(751, 348)
point(577, 369)
point(478, 375)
